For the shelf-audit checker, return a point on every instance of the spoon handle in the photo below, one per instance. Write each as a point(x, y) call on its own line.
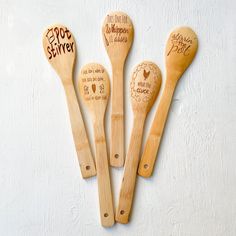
point(83, 150)
point(153, 142)
point(130, 171)
point(103, 177)
point(117, 118)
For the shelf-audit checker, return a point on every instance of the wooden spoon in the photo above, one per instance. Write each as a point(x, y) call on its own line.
point(118, 34)
point(180, 50)
point(145, 85)
point(94, 87)
point(59, 47)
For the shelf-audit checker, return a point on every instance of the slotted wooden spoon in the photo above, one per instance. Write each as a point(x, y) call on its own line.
point(60, 50)
point(94, 87)
point(117, 34)
point(181, 48)
point(144, 86)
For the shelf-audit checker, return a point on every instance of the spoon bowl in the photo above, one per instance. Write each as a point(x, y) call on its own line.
point(94, 87)
point(60, 50)
point(118, 35)
point(181, 49)
point(144, 86)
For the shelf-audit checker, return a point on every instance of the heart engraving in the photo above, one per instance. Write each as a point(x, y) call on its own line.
point(94, 87)
point(146, 74)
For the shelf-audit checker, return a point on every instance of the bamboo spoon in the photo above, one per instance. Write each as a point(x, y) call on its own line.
point(118, 34)
point(144, 86)
point(59, 47)
point(94, 87)
point(180, 50)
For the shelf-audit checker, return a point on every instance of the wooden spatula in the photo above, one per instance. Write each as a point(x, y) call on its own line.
point(118, 34)
point(94, 87)
point(180, 50)
point(59, 47)
point(144, 86)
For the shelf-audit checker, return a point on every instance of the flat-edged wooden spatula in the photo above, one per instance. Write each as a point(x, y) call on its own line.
point(60, 50)
point(181, 48)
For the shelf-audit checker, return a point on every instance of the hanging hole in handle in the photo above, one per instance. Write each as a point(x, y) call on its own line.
point(116, 156)
point(145, 166)
point(122, 212)
point(87, 167)
point(106, 215)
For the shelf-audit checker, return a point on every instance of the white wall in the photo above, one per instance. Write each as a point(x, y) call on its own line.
point(193, 190)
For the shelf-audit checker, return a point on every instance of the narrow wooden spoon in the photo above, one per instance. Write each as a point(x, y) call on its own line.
point(180, 50)
point(144, 86)
point(59, 47)
point(118, 34)
point(94, 87)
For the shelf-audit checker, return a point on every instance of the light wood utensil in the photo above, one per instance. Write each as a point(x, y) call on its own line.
point(180, 50)
point(144, 86)
point(117, 34)
point(94, 87)
point(60, 50)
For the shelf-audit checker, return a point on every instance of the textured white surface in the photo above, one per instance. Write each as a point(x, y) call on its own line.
point(193, 190)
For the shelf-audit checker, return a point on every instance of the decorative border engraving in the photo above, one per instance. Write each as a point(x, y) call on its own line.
point(144, 81)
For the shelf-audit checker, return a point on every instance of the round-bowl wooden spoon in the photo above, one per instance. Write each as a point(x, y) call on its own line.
point(144, 86)
point(60, 50)
point(181, 48)
point(94, 87)
point(117, 34)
